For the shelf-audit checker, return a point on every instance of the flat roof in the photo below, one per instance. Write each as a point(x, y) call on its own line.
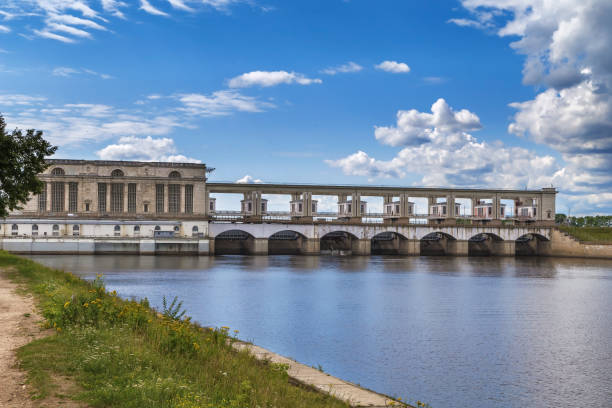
point(128, 163)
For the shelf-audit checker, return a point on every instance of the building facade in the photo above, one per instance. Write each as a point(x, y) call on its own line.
point(120, 189)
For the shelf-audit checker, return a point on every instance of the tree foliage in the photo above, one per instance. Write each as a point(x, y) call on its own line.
point(22, 158)
point(587, 221)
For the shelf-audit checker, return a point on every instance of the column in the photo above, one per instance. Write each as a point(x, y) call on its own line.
point(356, 198)
point(496, 207)
point(48, 187)
point(450, 206)
point(307, 204)
point(539, 215)
point(361, 246)
point(206, 202)
point(503, 248)
point(66, 196)
point(260, 246)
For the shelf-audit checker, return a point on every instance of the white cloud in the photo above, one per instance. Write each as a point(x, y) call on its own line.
point(446, 155)
point(146, 6)
point(52, 36)
point(220, 103)
point(113, 7)
point(180, 4)
point(343, 69)
point(248, 180)
point(4, 29)
point(270, 78)
point(393, 67)
point(68, 72)
point(19, 100)
point(415, 127)
point(144, 149)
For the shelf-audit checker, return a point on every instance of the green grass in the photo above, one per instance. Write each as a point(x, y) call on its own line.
point(589, 234)
point(123, 353)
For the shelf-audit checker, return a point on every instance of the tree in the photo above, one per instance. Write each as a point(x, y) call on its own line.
point(22, 158)
point(560, 218)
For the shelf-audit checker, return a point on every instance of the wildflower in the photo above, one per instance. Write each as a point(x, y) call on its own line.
point(59, 329)
point(86, 305)
point(99, 275)
point(66, 304)
point(196, 346)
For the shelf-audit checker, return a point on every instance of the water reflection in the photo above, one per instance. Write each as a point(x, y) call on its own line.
point(456, 332)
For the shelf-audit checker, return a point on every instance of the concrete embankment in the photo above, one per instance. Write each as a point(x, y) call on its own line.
point(564, 245)
point(354, 395)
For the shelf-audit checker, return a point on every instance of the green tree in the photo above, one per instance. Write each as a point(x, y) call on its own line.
point(560, 218)
point(22, 158)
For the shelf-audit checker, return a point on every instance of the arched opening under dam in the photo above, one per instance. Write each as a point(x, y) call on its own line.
point(388, 243)
point(338, 243)
point(531, 245)
point(234, 242)
point(436, 244)
point(484, 244)
point(286, 243)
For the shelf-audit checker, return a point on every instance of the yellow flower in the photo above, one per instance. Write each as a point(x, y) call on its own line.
point(196, 346)
point(59, 329)
point(66, 304)
point(85, 304)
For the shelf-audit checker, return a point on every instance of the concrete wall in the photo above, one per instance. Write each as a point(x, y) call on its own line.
point(562, 245)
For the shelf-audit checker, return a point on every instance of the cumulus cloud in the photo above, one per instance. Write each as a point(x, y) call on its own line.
point(437, 145)
point(270, 78)
point(248, 180)
point(144, 149)
point(394, 67)
point(414, 127)
point(343, 69)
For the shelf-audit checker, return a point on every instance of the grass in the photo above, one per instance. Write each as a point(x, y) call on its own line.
point(123, 353)
point(589, 234)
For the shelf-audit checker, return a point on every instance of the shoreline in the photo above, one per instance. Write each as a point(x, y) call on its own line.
point(297, 373)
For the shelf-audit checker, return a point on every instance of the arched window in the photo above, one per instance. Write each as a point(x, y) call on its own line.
point(58, 171)
point(55, 229)
point(157, 228)
point(174, 174)
point(14, 229)
point(76, 230)
point(136, 228)
point(117, 228)
point(176, 228)
point(34, 228)
point(117, 173)
point(194, 229)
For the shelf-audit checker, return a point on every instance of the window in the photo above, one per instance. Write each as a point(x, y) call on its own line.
point(14, 229)
point(132, 197)
point(76, 230)
point(87, 207)
point(211, 205)
point(116, 197)
point(73, 192)
point(159, 198)
point(117, 230)
point(263, 207)
point(157, 228)
point(42, 198)
point(101, 197)
point(55, 230)
point(314, 208)
point(300, 207)
point(34, 229)
point(189, 199)
point(362, 208)
point(176, 228)
point(397, 209)
point(57, 196)
point(58, 171)
point(195, 231)
point(174, 174)
point(443, 210)
point(249, 207)
point(174, 198)
point(117, 173)
point(146, 208)
point(136, 229)
point(349, 209)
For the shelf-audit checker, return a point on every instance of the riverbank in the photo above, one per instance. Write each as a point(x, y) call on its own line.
point(124, 353)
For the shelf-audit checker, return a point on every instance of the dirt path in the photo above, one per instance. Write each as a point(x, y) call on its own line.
point(18, 326)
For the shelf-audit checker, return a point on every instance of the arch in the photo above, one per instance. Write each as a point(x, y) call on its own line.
point(157, 228)
point(338, 242)
point(58, 171)
point(117, 173)
point(34, 227)
point(174, 174)
point(531, 244)
point(387, 243)
point(75, 228)
point(195, 228)
point(15, 227)
point(483, 244)
point(286, 242)
point(436, 243)
point(55, 227)
point(117, 228)
point(234, 242)
point(136, 228)
point(176, 228)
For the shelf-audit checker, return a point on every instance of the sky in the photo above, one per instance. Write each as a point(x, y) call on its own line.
point(469, 93)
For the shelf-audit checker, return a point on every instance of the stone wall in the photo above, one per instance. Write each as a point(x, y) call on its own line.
point(563, 245)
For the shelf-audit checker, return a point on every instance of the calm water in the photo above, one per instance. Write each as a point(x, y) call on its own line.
point(455, 332)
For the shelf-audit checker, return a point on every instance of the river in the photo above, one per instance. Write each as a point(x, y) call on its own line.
point(454, 332)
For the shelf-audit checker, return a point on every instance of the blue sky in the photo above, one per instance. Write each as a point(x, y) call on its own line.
point(359, 92)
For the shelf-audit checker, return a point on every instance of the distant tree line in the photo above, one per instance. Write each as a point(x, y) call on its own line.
point(587, 221)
